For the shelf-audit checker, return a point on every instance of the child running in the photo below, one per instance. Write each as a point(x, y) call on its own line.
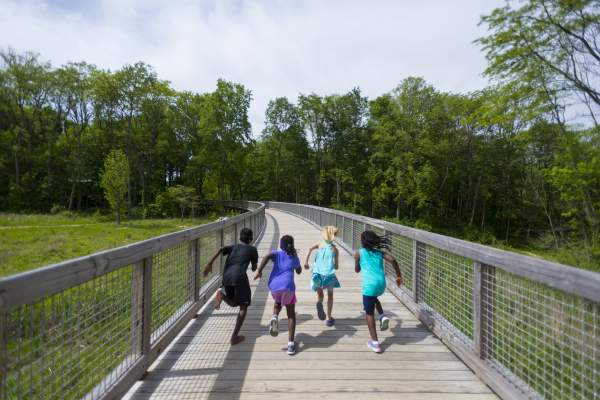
point(323, 272)
point(283, 289)
point(369, 261)
point(236, 288)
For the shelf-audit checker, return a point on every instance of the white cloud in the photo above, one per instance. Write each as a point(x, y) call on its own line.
point(275, 48)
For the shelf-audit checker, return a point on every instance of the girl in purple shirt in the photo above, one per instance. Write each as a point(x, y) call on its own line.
point(282, 286)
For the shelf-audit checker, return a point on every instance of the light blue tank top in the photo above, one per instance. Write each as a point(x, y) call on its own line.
point(324, 261)
point(373, 272)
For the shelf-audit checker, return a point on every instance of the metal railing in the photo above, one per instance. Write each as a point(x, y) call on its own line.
point(529, 328)
point(90, 327)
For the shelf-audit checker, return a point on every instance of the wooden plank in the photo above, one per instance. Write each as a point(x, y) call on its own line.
point(198, 358)
point(253, 347)
point(373, 362)
point(299, 385)
point(318, 375)
point(323, 395)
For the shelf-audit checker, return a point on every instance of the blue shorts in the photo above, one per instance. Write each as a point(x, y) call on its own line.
point(369, 304)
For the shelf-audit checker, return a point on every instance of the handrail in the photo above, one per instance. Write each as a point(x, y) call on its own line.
point(112, 312)
point(529, 328)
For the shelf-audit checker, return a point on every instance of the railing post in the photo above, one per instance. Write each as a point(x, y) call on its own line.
point(221, 261)
point(194, 265)
point(418, 269)
point(352, 234)
point(3, 356)
point(487, 308)
point(477, 308)
point(141, 306)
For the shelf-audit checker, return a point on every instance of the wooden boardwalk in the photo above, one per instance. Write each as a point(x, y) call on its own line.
point(331, 362)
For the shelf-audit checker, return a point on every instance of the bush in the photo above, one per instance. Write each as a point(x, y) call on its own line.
point(57, 208)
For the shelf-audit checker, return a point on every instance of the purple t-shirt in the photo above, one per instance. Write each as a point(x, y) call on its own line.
point(282, 276)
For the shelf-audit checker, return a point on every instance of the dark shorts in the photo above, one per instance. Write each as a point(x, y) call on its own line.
point(240, 294)
point(369, 304)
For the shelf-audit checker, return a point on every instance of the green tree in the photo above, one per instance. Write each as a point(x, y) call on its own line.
point(185, 198)
point(114, 181)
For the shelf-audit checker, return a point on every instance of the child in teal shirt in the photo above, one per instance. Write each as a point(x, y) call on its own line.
point(323, 272)
point(369, 261)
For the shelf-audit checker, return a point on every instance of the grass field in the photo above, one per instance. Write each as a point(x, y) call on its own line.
point(30, 241)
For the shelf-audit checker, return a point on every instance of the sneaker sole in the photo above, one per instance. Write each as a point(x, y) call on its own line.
point(291, 353)
point(385, 324)
point(321, 311)
point(273, 331)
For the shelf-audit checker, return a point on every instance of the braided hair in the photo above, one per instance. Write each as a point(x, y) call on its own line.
point(372, 241)
point(286, 243)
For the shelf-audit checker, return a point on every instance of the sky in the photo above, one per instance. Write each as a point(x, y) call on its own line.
point(274, 47)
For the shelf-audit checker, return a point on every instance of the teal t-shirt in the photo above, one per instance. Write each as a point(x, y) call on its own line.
point(373, 272)
point(324, 261)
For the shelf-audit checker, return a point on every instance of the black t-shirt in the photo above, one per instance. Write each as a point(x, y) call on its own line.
point(239, 256)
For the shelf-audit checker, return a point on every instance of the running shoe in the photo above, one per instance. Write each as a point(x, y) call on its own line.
point(384, 323)
point(291, 349)
point(274, 327)
point(374, 346)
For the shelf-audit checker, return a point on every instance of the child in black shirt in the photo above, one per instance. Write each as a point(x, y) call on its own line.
point(236, 288)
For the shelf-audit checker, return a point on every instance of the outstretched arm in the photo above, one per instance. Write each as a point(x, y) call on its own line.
point(392, 260)
point(209, 266)
point(310, 250)
point(263, 263)
point(357, 262)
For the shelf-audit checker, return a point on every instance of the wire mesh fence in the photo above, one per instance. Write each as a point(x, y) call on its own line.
point(67, 344)
point(540, 341)
point(82, 333)
point(550, 339)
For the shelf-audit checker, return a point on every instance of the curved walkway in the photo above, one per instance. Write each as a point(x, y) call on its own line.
point(331, 363)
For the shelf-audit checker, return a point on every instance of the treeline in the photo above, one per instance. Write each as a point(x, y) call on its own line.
point(503, 163)
point(58, 124)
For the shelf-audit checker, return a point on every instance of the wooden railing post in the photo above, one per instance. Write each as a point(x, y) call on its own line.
point(487, 310)
point(221, 259)
point(352, 234)
point(3, 355)
point(194, 267)
point(418, 270)
point(141, 306)
point(477, 308)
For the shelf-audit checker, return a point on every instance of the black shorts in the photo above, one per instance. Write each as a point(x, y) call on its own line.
point(369, 304)
point(240, 294)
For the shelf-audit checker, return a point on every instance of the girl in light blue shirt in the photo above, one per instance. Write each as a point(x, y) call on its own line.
point(323, 272)
point(369, 260)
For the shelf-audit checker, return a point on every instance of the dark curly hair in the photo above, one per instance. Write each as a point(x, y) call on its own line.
point(372, 241)
point(287, 244)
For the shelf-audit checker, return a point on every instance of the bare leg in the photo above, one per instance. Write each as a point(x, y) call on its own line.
point(235, 337)
point(371, 325)
point(379, 307)
point(320, 294)
point(329, 302)
point(291, 314)
point(230, 302)
point(276, 309)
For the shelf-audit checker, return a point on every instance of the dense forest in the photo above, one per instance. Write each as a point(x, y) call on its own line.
point(516, 163)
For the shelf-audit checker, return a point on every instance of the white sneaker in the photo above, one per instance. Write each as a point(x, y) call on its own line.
point(291, 350)
point(274, 327)
point(374, 346)
point(384, 323)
